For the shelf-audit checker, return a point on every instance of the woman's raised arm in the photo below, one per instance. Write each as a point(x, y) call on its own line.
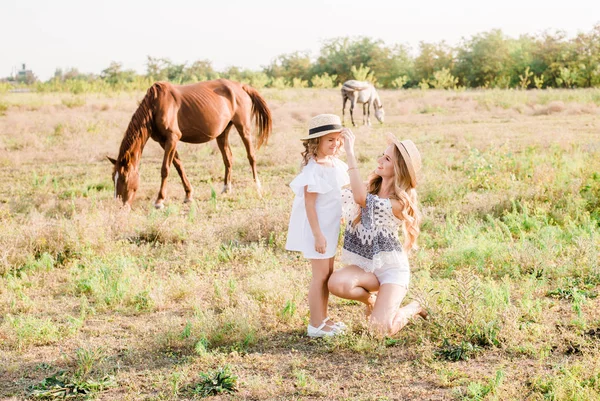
point(359, 191)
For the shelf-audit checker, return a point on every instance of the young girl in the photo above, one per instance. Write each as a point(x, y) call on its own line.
point(316, 213)
point(376, 260)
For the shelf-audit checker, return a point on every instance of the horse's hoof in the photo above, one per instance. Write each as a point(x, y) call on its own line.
point(159, 205)
point(188, 200)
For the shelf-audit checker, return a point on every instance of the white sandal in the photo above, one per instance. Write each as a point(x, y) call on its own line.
point(339, 326)
point(317, 332)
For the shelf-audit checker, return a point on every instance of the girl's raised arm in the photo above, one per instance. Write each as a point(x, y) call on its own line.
point(359, 191)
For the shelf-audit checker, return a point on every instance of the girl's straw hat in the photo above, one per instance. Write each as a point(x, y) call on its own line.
point(323, 124)
point(411, 156)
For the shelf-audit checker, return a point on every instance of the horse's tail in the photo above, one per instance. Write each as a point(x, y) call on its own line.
point(261, 114)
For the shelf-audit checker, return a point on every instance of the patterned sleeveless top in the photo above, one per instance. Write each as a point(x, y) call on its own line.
point(374, 241)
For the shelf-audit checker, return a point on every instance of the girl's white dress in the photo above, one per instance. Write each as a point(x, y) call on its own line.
point(327, 182)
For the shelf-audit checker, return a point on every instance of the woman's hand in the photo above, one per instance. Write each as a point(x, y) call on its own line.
point(348, 140)
point(320, 243)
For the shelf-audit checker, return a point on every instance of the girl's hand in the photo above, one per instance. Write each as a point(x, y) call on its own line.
point(349, 138)
point(320, 243)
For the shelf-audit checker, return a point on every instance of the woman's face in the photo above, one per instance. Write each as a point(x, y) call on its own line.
point(385, 163)
point(329, 144)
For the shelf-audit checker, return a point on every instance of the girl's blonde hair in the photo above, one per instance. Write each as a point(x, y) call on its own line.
point(403, 193)
point(311, 146)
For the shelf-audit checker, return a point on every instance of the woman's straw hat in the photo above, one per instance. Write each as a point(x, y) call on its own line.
point(323, 124)
point(411, 156)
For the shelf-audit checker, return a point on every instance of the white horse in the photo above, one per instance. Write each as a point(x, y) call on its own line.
point(365, 93)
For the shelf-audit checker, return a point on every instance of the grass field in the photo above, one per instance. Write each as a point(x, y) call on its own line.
point(148, 304)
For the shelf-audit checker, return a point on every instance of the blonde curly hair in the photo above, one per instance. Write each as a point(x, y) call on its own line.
point(311, 147)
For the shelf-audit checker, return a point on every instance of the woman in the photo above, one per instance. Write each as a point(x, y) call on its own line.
point(376, 261)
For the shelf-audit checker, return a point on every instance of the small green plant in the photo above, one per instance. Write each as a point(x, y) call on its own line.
point(201, 346)
point(477, 391)
point(85, 361)
point(289, 310)
point(175, 380)
point(572, 293)
point(59, 129)
point(363, 73)
point(301, 378)
point(443, 79)
point(456, 352)
point(219, 381)
point(525, 79)
point(278, 83)
point(63, 385)
point(299, 83)
point(539, 81)
point(399, 82)
point(73, 102)
point(324, 81)
point(567, 77)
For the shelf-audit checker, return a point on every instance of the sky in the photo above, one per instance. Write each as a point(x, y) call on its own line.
point(89, 35)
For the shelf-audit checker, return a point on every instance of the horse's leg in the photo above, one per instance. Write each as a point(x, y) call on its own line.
point(369, 114)
point(223, 142)
point(364, 113)
point(189, 191)
point(246, 133)
point(170, 149)
point(344, 100)
point(352, 104)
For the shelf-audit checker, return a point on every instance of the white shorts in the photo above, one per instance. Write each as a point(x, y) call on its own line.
point(393, 274)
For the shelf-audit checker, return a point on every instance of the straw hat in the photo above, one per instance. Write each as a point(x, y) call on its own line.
point(323, 124)
point(410, 154)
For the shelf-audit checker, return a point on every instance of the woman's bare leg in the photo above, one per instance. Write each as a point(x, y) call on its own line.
point(352, 282)
point(388, 318)
point(406, 313)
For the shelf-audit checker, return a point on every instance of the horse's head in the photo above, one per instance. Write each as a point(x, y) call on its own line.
point(379, 113)
point(126, 177)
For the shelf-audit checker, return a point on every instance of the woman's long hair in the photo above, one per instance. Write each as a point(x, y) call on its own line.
point(403, 193)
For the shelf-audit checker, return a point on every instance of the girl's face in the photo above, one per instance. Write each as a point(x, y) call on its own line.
point(385, 163)
point(329, 144)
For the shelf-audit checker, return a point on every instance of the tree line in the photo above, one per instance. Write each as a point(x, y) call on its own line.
point(485, 60)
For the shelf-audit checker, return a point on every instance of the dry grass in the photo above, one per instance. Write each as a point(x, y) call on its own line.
point(508, 264)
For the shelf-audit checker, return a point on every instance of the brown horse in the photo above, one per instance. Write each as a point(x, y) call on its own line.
point(194, 113)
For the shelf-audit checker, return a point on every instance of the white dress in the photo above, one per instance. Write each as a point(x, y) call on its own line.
point(327, 182)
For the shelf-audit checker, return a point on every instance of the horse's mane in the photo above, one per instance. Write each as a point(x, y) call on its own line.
point(139, 128)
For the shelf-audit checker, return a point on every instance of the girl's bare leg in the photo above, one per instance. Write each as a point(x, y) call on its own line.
point(318, 295)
